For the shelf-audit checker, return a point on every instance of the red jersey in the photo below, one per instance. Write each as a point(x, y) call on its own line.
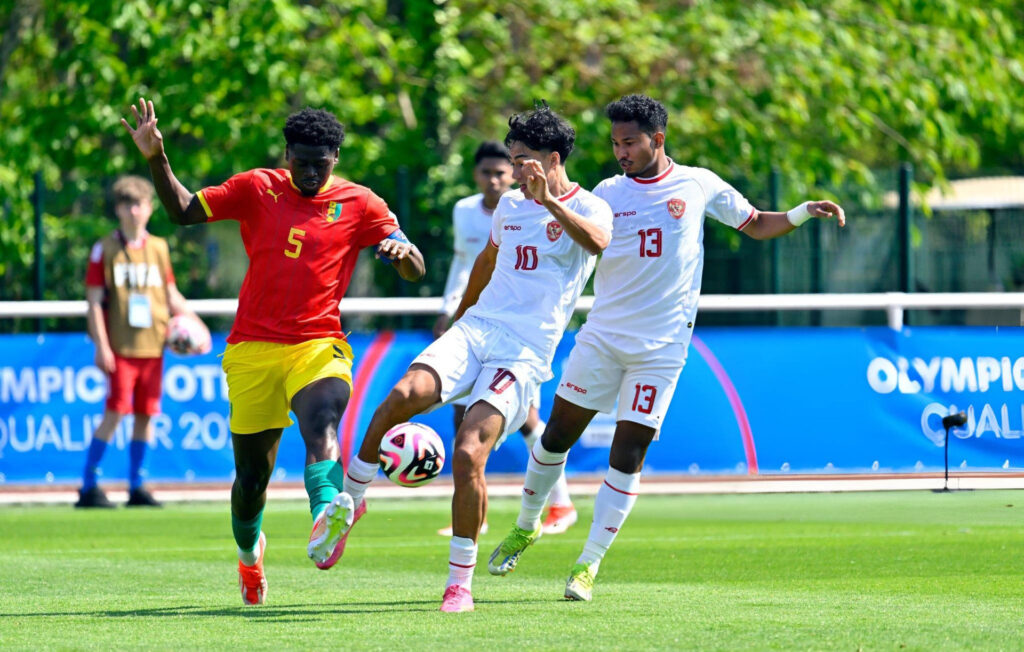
point(302, 250)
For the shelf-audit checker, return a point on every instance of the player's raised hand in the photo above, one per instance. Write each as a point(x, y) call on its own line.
point(391, 250)
point(536, 180)
point(147, 137)
point(827, 209)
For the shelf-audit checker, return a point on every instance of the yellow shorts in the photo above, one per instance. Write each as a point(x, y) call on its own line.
point(264, 376)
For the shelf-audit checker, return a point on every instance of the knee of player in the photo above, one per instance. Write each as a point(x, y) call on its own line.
point(416, 390)
point(320, 418)
point(466, 465)
point(627, 459)
point(251, 483)
point(555, 440)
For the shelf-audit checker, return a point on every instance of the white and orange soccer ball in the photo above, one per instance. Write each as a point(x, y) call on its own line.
point(188, 335)
point(411, 454)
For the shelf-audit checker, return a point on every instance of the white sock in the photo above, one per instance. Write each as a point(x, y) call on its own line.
point(542, 472)
point(358, 477)
point(530, 438)
point(615, 499)
point(560, 492)
point(461, 561)
point(250, 557)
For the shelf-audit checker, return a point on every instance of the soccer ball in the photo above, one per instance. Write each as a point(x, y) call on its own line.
point(187, 335)
point(411, 454)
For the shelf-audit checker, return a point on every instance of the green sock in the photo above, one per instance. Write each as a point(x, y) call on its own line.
point(324, 481)
point(247, 533)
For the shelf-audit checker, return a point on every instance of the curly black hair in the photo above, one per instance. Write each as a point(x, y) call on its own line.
point(649, 114)
point(491, 149)
point(314, 127)
point(543, 130)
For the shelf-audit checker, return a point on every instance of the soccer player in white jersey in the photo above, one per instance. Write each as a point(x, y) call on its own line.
point(522, 290)
point(471, 222)
point(633, 345)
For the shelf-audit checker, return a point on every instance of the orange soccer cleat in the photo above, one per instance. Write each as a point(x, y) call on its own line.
point(560, 518)
point(251, 580)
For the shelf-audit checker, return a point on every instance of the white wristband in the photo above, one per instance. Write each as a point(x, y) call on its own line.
point(799, 215)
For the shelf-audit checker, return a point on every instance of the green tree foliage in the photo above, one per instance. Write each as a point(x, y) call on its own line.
point(826, 91)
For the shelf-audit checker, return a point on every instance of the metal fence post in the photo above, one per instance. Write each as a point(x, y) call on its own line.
point(905, 220)
point(38, 244)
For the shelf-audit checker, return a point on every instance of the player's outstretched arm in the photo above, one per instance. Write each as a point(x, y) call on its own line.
point(767, 225)
point(483, 267)
point(181, 205)
point(403, 256)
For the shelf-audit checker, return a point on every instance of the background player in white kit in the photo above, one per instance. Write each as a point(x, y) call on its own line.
point(471, 222)
point(521, 293)
point(633, 345)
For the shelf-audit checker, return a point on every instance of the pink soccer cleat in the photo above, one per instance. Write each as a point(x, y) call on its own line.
point(331, 529)
point(457, 599)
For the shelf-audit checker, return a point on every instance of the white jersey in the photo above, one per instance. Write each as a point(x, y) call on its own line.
point(471, 224)
point(648, 283)
point(540, 271)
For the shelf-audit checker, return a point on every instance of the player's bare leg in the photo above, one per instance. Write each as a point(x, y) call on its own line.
point(460, 414)
point(546, 465)
point(615, 500)
point(255, 455)
point(473, 444)
point(319, 407)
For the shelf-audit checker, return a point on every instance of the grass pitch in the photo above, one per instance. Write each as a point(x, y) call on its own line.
point(898, 570)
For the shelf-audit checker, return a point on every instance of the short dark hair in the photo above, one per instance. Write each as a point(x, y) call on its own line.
point(490, 149)
point(543, 130)
point(649, 114)
point(132, 188)
point(314, 127)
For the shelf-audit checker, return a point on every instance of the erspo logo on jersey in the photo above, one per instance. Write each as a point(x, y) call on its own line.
point(676, 208)
point(554, 231)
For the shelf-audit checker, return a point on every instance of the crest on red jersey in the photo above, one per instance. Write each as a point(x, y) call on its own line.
point(554, 231)
point(333, 211)
point(676, 208)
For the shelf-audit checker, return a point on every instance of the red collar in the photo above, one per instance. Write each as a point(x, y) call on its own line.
point(671, 166)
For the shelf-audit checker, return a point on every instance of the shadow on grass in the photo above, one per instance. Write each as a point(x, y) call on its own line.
point(266, 612)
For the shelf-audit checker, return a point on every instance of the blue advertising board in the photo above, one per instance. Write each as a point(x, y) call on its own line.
point(750, 401)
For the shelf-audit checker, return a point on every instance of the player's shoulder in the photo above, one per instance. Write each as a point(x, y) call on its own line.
point(471, 202)
point(612, 186)
point(343, 186)
point(265, 177)
point(585, 201)
point(513, 200)
point(698, 174)
point(354, 196)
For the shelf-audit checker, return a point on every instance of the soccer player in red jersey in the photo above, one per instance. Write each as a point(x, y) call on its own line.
point(302, 228)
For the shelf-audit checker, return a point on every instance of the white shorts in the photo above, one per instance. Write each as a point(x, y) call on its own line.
point(641, 374)
point(484, 361)
point(534, 400)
